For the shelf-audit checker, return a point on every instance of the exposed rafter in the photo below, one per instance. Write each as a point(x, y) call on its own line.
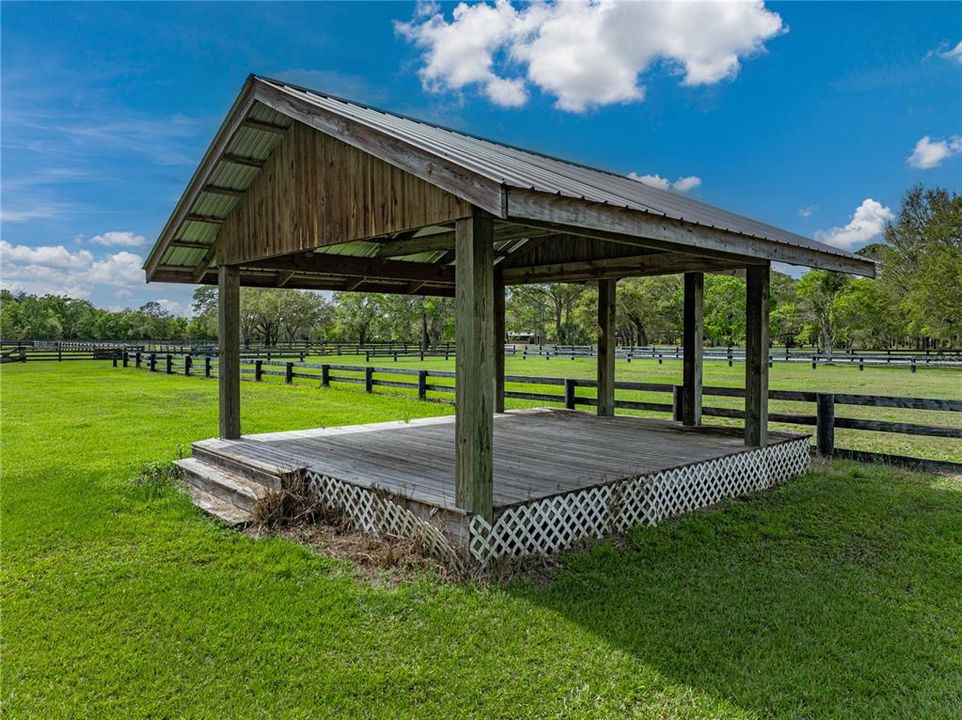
point(221, 190)
point(243, 160)
point(209, 219)
point(265, 126)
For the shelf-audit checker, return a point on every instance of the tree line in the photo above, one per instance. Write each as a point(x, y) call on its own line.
point(916, 301)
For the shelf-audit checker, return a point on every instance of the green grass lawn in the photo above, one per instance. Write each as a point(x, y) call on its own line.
point(834, 596)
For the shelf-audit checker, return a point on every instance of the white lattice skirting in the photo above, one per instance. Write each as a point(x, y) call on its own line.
point(558, 522)
point(373, 511)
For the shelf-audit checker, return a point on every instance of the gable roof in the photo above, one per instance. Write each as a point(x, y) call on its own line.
point(483, 172)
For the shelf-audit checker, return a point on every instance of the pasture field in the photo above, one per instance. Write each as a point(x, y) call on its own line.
point(943, 383)
point(835, 595)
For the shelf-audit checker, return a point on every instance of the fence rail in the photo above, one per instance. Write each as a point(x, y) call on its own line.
point(22, 351)
point(424, 382)
point(661, 353)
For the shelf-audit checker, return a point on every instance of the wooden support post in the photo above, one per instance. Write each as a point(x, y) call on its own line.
point(152, 363)
point(422, 384)
point(825, 423)
point(693, 350)
point(606, 347)
point(126, 359)
point(474, 365)
point(756, 356)
point(188, 361)
point(326, 375)
point(570, 403)
point(137, 360)
point(169, 364)
point(228, 356)
point(677, 403)
point(258, 370)
point(207, 365)
point(498, 344)
point(369, 379)
point(289, 373)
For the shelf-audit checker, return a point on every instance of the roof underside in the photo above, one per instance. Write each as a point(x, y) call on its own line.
point(520, 187)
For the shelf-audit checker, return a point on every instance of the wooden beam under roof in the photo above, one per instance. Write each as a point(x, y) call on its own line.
point(189, 244)
point(349, 266)
point(661, 232)
point(632, 266)
point(268, 279)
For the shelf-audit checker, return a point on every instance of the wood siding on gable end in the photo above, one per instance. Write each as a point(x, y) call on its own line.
point(315, 190)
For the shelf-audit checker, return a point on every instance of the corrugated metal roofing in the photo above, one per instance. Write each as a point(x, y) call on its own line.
point(506, 165)
point(524, 169)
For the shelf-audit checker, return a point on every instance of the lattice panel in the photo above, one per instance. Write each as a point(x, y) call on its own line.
point(371, 511)
point(558, 522)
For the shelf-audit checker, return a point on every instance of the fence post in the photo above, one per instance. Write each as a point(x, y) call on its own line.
point(326, 375)
point(825, 424)
point(289, 373)
point(913, 364)
point(114, 358)
point(207, 366)
point(569, 394)
point(861, 365)
point(59, 352)
point(258, 370)
point(170, 364)
point(677, 400)
point(368, 379)
point(814, 361)
point(126, 359)
point(422, 384)
point(153, 362)
point(188, 361)
point(137, 360)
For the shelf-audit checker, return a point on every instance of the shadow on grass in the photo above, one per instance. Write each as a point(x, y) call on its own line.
point(836, 595)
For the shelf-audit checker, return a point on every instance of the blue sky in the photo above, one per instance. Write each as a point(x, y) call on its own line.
point(816, 117)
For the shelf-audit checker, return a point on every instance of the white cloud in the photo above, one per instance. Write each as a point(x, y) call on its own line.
point(929, 153)
point(681, 185)
point(684, 184)
point(55, 269)
point(172, 306)
point(123, 238)
point(866, 224)
point(583, 53)
point(807, 211)
point(954, 54)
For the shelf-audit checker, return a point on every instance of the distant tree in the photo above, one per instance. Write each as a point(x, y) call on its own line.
point(724, 309)
point(922, 264)
point(356, 314)
point(817, 291)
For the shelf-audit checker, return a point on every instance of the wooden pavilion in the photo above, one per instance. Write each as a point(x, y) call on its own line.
point(300, 189)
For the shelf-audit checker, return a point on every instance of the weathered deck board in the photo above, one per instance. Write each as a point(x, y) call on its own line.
point(536, 453)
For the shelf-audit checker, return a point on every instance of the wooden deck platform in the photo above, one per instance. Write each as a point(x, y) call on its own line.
point(537, 453)
point(559, 475)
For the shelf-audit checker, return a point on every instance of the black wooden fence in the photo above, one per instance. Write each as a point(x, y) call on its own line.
point(441, 382)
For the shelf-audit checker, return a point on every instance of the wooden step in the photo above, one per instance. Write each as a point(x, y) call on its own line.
point(219, 453)
point(221, 509)
point(240, 491)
